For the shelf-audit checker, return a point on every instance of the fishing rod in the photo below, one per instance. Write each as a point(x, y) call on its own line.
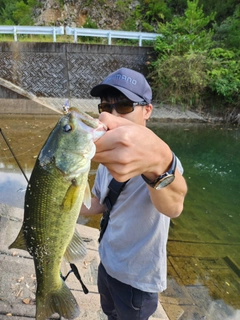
point(65, 109)
point(9, 147)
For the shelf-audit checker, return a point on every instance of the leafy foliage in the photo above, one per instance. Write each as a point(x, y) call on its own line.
point(179, 73)
point(180, 79)
point(189, 70)
point(228, 33)
point(224, 74)
point(16, 12)
point(91, 25)
point(186, 32)
point(145, 15)
point(223, 9)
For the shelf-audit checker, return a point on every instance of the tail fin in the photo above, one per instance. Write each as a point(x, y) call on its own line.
point(61, 302)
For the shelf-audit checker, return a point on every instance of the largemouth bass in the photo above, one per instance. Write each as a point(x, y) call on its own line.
point(56, 190)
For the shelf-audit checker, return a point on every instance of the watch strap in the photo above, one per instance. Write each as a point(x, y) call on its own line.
point(170, 172)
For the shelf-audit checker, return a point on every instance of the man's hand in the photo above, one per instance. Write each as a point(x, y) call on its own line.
point(128, 149)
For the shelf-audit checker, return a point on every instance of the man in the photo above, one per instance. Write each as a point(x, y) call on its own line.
point(133, 248)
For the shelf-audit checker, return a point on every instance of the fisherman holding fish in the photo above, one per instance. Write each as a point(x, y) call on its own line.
point(133, 254)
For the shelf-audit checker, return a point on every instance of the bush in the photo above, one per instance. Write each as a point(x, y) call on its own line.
point(224, 75)
point(179, 75)
point(180, 79)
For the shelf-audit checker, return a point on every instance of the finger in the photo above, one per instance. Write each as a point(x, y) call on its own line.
point(112, 121)
point(106, 142)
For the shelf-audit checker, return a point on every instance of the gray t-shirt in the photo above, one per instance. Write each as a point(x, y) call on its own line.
point(133, 248)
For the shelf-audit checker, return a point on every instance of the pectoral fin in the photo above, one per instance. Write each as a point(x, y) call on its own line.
point(87, 197)
point(20, 242)
point(71, 197)
point(76, 249)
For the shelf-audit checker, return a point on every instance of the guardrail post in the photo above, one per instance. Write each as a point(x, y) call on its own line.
point(109, 38)
point(15, 33)
point(75, 35)
point(54, 35)
point(140, 40)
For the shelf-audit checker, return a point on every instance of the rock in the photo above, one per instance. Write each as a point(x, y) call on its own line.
point(74, 13)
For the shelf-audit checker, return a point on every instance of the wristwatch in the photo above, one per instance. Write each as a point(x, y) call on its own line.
point(164, 179)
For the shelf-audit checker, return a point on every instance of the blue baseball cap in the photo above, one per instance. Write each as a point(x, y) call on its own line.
point(131, 83)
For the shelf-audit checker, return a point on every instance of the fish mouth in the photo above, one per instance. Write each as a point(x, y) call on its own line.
point(89, 124)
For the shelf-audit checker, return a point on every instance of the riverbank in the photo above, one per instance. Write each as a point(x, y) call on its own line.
point(161, 113)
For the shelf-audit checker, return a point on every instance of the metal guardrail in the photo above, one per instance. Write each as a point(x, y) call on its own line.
point(111, 34)
point(15, 30)
point(140, 36)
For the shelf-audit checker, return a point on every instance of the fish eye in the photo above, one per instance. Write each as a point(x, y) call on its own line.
point(67, 128)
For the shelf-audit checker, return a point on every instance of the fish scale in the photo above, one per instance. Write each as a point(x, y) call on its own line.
point(56, 190)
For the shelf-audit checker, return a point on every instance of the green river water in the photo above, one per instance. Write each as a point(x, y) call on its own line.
point(204, 242)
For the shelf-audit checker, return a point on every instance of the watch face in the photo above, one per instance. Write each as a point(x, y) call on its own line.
point(164, 182)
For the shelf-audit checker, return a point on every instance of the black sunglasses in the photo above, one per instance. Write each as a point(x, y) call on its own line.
point(122, 107)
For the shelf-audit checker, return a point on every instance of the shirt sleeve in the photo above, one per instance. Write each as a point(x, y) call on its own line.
point(179, 166)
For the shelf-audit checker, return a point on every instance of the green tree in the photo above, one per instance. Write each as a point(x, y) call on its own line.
point(16, 12)
point(179, 73)
point(227, 34)
point(184, 33)
point(22, 13)
point(223, 8)
point(6, 9)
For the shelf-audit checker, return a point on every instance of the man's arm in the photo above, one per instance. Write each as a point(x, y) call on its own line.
point(169, 200)
point(128, 149)
point(96, 208)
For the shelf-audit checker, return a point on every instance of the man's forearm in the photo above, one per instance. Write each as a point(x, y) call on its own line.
point(96, 208)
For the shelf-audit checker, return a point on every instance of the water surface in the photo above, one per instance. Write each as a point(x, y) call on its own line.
point(204, 242)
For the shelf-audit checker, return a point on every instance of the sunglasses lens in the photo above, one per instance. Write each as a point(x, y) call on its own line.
point(105, 107)
point(124, 107)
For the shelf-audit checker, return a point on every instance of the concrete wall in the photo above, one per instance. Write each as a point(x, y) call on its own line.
point(64, 70)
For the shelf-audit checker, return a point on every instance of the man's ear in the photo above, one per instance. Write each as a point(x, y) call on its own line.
point(148, 111)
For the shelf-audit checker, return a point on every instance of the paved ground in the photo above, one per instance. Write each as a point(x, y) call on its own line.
point(17, 279)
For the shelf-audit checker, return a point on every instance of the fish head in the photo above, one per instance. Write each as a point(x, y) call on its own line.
point(70, 146)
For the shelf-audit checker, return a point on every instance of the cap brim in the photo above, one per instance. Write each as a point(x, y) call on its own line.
point(97, 92)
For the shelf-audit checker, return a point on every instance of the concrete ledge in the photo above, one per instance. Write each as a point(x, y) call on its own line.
point(55, 106)
point(18, 282)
